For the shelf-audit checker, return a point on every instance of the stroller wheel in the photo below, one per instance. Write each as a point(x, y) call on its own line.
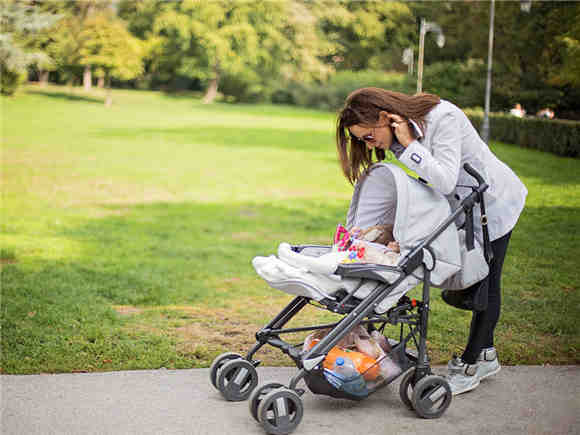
point(257, 396)
point(237, 379)
point(280, 411)
point(217, 364)
point(406, 388)
point(431, 396)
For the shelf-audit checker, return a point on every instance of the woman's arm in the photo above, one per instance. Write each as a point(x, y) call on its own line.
point(441, 167)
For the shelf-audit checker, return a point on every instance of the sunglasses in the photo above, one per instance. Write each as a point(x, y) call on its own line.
point(366, 138)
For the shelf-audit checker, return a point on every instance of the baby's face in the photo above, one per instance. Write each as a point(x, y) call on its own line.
point(382, 234)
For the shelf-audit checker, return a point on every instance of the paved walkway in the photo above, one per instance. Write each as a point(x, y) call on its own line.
point(518, 400)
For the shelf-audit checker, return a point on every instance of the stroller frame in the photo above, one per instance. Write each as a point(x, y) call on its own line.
point(414, 313)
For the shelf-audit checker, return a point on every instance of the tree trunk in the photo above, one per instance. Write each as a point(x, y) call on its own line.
point(87, 78)
point(212, 89)
point(109, 97)
point(43, 78)
point(101, 82)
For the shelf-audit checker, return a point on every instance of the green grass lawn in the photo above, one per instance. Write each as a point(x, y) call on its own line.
point(127, 233)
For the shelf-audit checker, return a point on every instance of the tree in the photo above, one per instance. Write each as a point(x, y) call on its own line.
point(569, 40)
point(108, 47)
point(367, 34)
point(241, 39)
point(19, 21)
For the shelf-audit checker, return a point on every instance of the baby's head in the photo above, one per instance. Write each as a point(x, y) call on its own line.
point(382, 234)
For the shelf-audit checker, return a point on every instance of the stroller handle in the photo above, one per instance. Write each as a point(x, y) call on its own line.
point(471, 171)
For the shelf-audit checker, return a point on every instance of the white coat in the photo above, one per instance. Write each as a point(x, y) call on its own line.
point(449, 141)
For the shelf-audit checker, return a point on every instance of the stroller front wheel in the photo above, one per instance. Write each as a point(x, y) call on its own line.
point(237, 379)
point(431, 396)
point(258, 394)
point(280, 411)
point(218, 363)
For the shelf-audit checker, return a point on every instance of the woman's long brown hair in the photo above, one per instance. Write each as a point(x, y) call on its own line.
point(363, 107)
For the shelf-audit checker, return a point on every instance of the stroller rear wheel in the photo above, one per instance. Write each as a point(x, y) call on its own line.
point(237, 379)
point(280, 411)
point(257, 396)
point(406, 388)
point(217, 364)
point(431, 396)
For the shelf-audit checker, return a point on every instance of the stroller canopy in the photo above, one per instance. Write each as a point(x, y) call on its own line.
point(386, 195)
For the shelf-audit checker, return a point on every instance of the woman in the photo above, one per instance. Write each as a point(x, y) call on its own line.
point(435, 139)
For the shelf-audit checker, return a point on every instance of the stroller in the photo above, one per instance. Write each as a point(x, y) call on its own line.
point(437, 247)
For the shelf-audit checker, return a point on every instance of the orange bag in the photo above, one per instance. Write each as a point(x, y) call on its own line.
point(364, 364)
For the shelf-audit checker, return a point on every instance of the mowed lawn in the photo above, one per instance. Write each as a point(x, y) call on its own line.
point(128, 233)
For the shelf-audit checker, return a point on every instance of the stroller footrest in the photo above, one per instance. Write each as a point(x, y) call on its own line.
point(376, 272)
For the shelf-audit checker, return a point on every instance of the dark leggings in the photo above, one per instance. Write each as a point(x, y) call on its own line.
point(483, 322)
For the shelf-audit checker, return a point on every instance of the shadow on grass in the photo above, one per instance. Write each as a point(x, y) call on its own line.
point(66, 96)
point(165, 253)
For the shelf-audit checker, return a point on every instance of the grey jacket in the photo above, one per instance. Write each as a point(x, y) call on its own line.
point(450, 141)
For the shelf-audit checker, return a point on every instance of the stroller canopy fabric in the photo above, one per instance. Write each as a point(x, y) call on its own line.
point(387, 195)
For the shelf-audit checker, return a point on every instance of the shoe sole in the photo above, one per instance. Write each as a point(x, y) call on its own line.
point(487, 375)
point(473, 387)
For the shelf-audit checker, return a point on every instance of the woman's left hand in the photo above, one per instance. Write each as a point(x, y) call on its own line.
point(401, 129)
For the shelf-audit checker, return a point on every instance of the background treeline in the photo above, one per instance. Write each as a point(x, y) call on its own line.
point(295, 51)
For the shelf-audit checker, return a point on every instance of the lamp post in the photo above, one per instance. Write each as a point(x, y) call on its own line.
point(408, 58)
point(426, 26)
point(525, 6)
point(485, 126)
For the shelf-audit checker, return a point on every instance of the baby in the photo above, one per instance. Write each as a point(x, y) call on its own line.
point(382, 234)
point(374, 244)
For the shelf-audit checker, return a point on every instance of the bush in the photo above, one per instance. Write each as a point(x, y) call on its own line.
point(462, 83)
point(330, 95)
point(10, 80)
point(560, 137)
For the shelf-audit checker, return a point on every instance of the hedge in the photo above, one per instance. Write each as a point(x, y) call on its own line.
point(557, 136)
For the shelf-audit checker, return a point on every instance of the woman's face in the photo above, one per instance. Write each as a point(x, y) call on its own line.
point(379, 135)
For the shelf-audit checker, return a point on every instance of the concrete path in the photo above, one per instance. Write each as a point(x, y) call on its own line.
point(518, 400)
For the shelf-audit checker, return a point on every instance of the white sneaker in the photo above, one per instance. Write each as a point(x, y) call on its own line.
point(488, 363)
point(462, 377)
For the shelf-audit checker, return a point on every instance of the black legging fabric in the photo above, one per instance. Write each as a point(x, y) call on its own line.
point(483, 322)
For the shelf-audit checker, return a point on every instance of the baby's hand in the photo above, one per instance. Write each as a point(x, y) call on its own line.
point(394, 246)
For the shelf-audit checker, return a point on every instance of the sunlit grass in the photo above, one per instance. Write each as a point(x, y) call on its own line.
point(127, 233)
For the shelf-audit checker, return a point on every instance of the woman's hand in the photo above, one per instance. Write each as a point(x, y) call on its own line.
point(401, 129)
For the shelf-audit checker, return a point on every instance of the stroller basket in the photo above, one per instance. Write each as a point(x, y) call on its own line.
point(358, 387)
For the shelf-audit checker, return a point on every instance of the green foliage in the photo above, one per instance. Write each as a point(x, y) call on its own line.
point(556, 136)
point(569, 73)
point(367, 35)
point(108, 46)
point(10, 81)
point(463, 83)
point(532, 63)
point(244, 41)
point(19, 22)
point(330, 95)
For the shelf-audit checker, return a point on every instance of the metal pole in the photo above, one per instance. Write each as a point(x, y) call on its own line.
point(485, 126)
point(421, 54)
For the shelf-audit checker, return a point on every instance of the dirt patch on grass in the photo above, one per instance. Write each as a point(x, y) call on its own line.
point(201, 333)
point(7, 261)
point(127, 310)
